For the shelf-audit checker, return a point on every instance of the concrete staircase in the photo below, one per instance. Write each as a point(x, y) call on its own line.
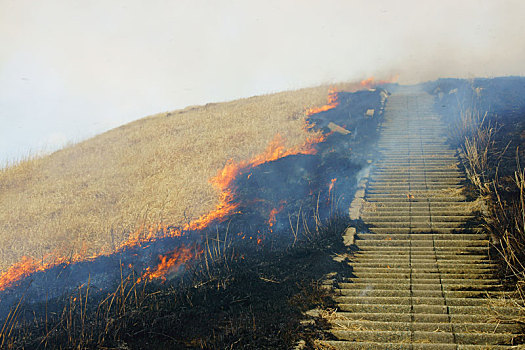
point(421, 278)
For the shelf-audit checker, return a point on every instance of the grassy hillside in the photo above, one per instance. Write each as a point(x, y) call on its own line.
point(218, 288)
point(87, 198)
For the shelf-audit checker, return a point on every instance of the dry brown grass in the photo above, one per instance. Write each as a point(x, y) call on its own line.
point(86, 198)
point(503, 203)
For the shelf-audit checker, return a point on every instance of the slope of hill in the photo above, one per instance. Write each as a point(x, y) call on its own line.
point(243, 280)
point(87, 198)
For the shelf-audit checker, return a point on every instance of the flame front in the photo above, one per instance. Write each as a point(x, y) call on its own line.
point(172, 262)
point(371, 81)
point(332, 103)
point(331, 187)
point(24, 267)
point(273, 213)
point(224, 179)
point(224, 182)
point(28, 266)
point(271, 219)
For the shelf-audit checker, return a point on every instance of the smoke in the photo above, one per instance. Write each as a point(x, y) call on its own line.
point(362, 174)
point(78, 68)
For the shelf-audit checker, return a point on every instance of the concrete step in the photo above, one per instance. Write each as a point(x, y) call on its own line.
point(429, 309)
point(392, 336)
point(420, 318)
point(416, 181)
point(407, 188)
point(417, 170)
point(425, 336)
point(346, 345)
point(437, 243)
point(419, 256)
point(444, 281)
point(420, 293)
point(415, 205)
point(416, 192)
point(414, 172)
point(435, 300)
point(407, 210)
point(409, 266)
point(423, 229)
point(363, 285)
point(419, 263)
point(377, 217)
point(343, 323)
point(425, 251)
point(423, 236)
point(407, 199)
point(415, 274)
point(419, 224)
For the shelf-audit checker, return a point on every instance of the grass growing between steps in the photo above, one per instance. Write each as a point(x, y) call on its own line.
point(233, 297)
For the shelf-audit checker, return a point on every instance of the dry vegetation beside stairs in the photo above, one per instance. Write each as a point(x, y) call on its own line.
point(492, 147)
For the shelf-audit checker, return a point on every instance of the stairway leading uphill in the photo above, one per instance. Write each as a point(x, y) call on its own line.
point(421, 278)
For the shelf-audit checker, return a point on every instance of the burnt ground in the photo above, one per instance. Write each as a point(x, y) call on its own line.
point(236, 293)
point(254, 302)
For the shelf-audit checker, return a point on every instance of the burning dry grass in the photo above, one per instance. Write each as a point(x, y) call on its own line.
point(87, 199)
point(230, 298)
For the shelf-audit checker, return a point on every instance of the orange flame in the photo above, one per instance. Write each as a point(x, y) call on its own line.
point(28, 266)
point(331, 186)
point(371, 82)
point(271, 219)
point(24, 267)
point(332, 103)
point(171, 263)
point(273, 213)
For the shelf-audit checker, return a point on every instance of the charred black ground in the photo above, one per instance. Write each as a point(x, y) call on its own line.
point(255, 302)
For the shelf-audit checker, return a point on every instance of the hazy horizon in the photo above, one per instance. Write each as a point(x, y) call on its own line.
point(72, 69)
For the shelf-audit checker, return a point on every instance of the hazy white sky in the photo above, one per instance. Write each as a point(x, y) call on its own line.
point(70, 69)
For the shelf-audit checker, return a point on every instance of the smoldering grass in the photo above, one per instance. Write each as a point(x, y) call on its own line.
point(228, 275)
